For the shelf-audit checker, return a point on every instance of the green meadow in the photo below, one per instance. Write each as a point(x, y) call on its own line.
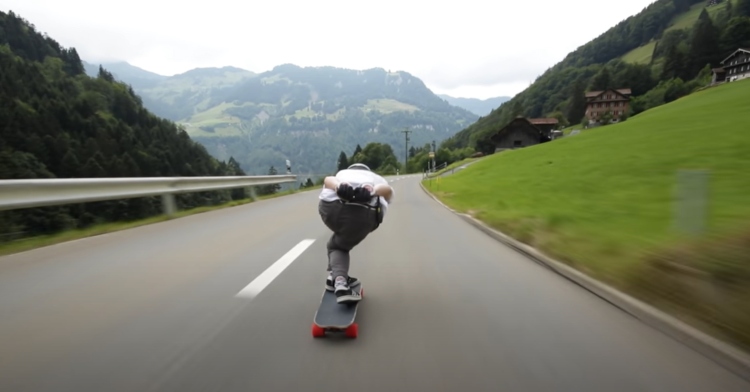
point(605, 201)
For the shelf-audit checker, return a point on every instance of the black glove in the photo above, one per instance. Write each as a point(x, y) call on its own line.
point(361, 195)
point(345, 192)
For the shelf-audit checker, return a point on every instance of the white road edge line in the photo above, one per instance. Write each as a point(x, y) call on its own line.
point(259, 283)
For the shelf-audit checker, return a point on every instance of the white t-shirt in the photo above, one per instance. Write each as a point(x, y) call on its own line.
point(357, 178)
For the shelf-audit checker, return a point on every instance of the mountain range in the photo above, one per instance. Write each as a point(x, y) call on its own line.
point(305, 114)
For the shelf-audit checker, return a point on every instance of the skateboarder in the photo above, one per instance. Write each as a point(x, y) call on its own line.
point(352, 204)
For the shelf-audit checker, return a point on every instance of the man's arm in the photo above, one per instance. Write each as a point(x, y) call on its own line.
point(331, 182)
point(384, 190)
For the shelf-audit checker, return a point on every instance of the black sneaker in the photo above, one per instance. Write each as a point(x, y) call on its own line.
point(329, 282)
point(345, 295)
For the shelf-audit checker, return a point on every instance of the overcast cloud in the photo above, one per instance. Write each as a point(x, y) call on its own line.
point(470, 48)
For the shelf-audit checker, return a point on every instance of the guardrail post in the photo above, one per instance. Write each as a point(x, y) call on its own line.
point(253, 193)
point(168, 204)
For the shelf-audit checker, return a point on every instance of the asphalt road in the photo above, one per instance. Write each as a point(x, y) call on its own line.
point(446, 308)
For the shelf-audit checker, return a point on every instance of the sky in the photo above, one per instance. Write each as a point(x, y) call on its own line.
point(469, 48)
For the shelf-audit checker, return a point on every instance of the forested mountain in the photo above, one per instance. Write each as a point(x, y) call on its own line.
point(57, 122)
point(480, 107)
point(687, 37)
point(137, 78)
point(175, 97)
point(307, 115)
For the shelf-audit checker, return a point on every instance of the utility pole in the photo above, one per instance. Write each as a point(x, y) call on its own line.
point(434, 150)
point(406, 148)
point(431, 167)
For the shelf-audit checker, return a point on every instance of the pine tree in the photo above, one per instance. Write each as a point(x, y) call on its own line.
point(674, 64)
point(704, 44)
point(343, 161)
point(736, 35)
point(742, 9)
point(602, 80)
point(577, 106)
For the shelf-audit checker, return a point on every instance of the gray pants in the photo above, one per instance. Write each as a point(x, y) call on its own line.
point(350, 225)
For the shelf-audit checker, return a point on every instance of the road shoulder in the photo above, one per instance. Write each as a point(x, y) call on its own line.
point(724, 354)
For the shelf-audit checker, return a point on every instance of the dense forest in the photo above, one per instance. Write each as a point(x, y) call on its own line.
point(58, 122)
point(680, 63)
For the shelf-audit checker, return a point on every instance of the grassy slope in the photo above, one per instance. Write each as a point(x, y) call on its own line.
point(226, 125)
point(602, 201)
point(389, 106)
point(641, 54)
point(686, 20)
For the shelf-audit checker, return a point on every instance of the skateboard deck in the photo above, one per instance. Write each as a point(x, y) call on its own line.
point(335, 317)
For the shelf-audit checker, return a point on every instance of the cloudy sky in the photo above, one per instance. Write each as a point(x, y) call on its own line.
point(468, 48)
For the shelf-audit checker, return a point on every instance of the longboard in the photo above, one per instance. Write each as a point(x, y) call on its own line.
point(335, 317)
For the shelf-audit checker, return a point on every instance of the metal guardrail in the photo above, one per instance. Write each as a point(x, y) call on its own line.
point(28, 193)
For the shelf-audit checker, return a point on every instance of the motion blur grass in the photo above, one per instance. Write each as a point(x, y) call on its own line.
point(603, 201)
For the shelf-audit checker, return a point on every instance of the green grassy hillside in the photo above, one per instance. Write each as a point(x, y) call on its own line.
point(603, 202)
point(685, 20)
point(664, 52)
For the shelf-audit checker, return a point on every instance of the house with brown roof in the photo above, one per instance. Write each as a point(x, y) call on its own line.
point(521, 132)
point(546, 125)
point(614, 102)
point(735, 67)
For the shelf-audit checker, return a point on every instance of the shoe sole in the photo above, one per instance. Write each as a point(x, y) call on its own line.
point(331, 288)
point(346, 299)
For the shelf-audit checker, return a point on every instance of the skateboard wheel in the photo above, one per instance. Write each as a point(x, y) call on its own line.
point(318, 331)
point(351, 332)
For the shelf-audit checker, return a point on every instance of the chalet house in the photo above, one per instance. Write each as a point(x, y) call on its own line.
point(519, 133)
point(734, 67)
point(613, 101)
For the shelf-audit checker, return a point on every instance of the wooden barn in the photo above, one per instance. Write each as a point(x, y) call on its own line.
point(518, 133)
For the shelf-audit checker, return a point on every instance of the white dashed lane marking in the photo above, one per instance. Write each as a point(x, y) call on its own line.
point(259, 283)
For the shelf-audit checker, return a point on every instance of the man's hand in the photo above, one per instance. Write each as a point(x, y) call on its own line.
point(345, 191)
point(361, 194)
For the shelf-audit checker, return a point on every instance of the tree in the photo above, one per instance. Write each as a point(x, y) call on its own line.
point(57, 122)
point(675, 64)
point(577, 106)
point(736, 35)
point(343, 161)
point(602, 80)
point(704, 44)
point(269, 189)
point(742, 8)
point(517, 109)
point(412, 152)
point(725, 15)
point(682, 5)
